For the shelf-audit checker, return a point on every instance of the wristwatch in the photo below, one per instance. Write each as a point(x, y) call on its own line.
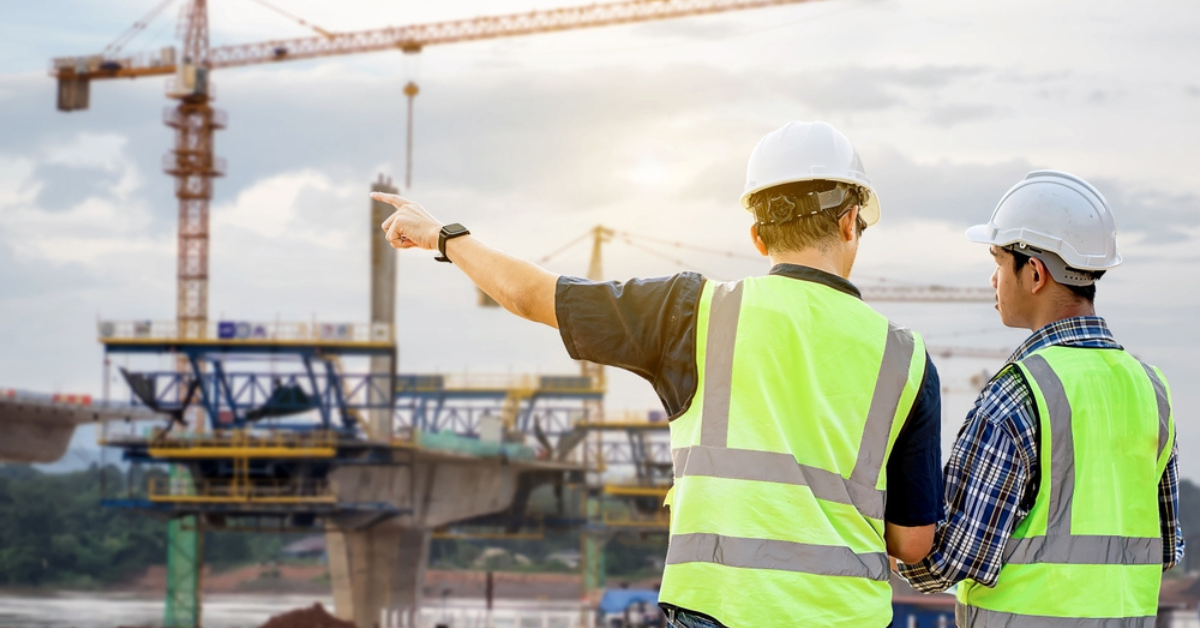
point(449, 232)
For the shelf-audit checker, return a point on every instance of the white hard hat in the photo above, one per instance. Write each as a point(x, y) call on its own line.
point(808, 151)
point(1057, 213)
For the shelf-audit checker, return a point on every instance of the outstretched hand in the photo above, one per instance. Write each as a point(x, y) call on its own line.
point(410, 225)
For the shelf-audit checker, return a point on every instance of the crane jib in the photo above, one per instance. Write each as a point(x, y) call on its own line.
point(406, 38)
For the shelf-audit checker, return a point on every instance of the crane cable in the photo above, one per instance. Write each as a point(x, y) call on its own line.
point(629, 239)
point(138, 26)
point(317, 29)
point(753, 258)
point(545, 258)
point(664, 256)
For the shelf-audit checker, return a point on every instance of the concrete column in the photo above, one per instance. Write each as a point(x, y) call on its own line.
point(383, 307)
point(410, 574)
point(376, 570)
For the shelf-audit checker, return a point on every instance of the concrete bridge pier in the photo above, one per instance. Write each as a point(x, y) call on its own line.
point(378, 567)
point(378, 572)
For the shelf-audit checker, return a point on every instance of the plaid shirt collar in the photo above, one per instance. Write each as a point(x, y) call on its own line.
point(1080, 331)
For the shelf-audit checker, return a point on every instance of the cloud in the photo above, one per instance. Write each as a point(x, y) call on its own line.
point(957, 193)
point(293, 204)
point(964, 193)
point(89, 165)
point(1028, 78)
point(951, 115)
point(1165, 215)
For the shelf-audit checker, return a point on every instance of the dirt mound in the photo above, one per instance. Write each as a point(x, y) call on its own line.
point(313, 617)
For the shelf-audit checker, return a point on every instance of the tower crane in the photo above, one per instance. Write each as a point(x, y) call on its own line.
point(193, 162)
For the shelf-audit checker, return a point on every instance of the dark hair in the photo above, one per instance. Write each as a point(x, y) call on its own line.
point(1084, 292)
point(808, 225)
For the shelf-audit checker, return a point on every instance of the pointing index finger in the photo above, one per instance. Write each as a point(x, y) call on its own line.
point(393, 199)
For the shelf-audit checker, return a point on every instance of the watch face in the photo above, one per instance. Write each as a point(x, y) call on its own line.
point(454, 229)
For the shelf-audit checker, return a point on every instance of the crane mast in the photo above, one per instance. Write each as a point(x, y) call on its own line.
point(194, 165)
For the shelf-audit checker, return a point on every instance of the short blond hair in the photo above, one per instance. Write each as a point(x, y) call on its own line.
point(790, 217)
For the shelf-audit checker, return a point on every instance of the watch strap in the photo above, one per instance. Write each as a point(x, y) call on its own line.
point(449, 232)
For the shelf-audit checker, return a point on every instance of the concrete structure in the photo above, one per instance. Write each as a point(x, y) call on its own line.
point(383, 308)
point(378, 567)
point(38, 427)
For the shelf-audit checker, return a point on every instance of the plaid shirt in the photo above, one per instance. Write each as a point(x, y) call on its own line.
point(992, 475)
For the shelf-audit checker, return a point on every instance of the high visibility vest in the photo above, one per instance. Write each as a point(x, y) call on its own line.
point(1089, 553)
point(780, 460)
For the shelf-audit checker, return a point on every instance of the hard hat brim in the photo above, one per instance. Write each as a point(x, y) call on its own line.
point(987, 234)
point(982, 234)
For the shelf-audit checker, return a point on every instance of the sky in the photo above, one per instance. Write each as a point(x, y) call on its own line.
point(644, 128)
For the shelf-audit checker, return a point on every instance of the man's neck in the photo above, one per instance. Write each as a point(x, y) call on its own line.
point(1063, 312)
point(813, 258)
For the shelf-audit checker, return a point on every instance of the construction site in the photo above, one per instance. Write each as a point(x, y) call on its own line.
point(318, 431)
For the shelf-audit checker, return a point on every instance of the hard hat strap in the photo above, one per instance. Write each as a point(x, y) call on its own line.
point(783, 208)
point(1055, 265)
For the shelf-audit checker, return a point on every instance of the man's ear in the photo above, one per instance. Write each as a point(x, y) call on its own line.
point(758, 243)
point(1040, 276)
point(848, 224)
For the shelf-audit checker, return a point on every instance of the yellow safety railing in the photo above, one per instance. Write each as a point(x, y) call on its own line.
point(525, 385)
point(251, 332)
point(246, 444)
point(240, 491)
point(637, 490)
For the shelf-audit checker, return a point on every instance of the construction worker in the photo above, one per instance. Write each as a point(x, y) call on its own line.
point(805, 426)
point(1061, 495)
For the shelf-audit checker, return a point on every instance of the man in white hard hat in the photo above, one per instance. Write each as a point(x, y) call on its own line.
point(1061, 492)
point(804, 425)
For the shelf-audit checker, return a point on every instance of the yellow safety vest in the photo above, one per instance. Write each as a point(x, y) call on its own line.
point(780, 460)
point(1089, 553)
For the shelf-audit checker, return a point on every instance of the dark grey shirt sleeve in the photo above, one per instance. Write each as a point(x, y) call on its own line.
point(645, 326)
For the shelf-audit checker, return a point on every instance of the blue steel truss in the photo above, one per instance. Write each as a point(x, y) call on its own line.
point(231, 399)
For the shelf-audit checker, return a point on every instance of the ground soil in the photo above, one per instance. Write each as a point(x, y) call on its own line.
point(314, 616)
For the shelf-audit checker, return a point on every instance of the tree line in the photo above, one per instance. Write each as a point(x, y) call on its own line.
point(54, 533)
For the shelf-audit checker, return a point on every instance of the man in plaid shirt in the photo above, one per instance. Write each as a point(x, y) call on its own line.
point(1051, 236)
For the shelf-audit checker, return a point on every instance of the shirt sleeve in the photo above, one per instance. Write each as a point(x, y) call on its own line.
point(987, 477)
point(914, 469)
point(1168, 510)
point(645, 326)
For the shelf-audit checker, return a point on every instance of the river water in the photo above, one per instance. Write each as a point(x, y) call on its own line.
point(110, 610)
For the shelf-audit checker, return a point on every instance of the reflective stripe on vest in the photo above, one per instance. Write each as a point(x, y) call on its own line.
point(731, 551)
point(971, 616)
point(760, 558)
point(1060, 547)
